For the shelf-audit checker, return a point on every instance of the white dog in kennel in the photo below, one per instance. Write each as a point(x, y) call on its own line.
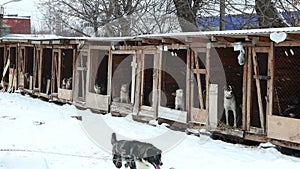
point(179, 102)
point(229, 103)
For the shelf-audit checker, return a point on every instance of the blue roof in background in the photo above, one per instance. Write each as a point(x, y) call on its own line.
point(242, 21)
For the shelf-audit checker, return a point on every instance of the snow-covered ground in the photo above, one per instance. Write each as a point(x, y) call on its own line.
point(38, 134)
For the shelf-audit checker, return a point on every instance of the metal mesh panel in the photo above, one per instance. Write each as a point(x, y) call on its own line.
point(287, 83)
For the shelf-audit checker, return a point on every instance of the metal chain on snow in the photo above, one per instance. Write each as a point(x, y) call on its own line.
point(55, 153)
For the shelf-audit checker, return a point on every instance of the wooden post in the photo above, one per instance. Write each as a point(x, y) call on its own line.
point(137, 75)
point(142, 71)
point(258, 88)
point(155, 83)
point(160, 68)
point(53, 70)
point(109, 74)
point(40, 71)
point(58, 70)
point(245, 82)
point(192, 82)
point(271, 69)
point(48, 86)
point(249, 87)
point(208, 48)
point(188, 91)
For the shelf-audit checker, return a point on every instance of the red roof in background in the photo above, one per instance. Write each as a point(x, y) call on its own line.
point(18, 25)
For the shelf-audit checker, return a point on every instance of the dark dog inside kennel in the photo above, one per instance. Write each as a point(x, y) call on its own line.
point(99, 72)
point(46, 70)
point(29, 52)
point(67, 59)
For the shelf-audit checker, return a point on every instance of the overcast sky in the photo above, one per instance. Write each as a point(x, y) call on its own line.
point(23, 8)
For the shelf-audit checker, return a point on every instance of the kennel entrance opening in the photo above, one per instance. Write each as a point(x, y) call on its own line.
point(123, 77)
point(98, 97)
point(149, 83)
point(25, 67)
point(173, 81)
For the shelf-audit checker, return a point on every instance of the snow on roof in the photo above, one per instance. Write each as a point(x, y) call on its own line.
point(16, 17)
point(31, 37)
point(266, 31)
point(40, 37)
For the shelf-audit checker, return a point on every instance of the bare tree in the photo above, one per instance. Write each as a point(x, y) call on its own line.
point(267, 14)
point(94, 13)
point(186, 12)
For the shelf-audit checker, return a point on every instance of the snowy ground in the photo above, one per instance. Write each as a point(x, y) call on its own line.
point(38, 134)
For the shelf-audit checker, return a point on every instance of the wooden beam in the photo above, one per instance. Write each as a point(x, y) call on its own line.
point(258, 88)
point(172, 41)
point(228, 39)
point(260, 38)
point(199, 71)
point(293, 36)
point(262, 49)
point(152, 41)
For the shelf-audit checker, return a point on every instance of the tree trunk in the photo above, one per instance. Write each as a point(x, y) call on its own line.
point(186, 15)
point(267, 14)
point(222, 15)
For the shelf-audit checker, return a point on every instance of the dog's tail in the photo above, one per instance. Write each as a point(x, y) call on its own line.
point(113, 138)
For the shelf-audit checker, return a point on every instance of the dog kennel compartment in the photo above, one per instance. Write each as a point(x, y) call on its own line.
point(97, 94)
point(149, 74)
point(63, 84)
point(281, 124)
point(173, 77)
point(25, 67)
point(80, 81)
point(123, 81)
point(224, 71)
point(10, 68)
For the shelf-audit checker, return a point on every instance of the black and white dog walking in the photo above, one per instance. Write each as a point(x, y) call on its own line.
point(136, 154)
point(229, 103)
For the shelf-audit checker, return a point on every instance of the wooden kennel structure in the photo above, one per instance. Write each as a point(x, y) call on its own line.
point(39, 65)
point(154, 67)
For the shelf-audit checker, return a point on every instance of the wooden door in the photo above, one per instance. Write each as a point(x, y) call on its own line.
point(149, 83)
point(81, 78)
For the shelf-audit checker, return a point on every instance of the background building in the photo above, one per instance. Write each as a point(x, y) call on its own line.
point(13, 24)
